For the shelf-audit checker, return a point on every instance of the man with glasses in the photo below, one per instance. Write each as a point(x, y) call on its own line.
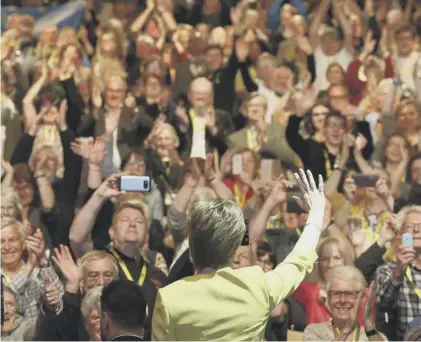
point(345, 298)
point(399, 282)
point(320, 158)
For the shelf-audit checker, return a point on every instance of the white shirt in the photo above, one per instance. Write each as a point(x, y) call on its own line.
point(343, 57)
point(271, 98)
point(406, 66)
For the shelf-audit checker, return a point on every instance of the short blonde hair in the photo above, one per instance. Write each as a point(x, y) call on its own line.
point(403, 214)
point(96, 255)
point(11, 221)
point(91, 301)
point(216, 229)
point(9, 195)
point(345, 273)
point(346, 253)
point(133, 201)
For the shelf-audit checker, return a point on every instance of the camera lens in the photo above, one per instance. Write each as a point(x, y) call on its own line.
point(145, 184)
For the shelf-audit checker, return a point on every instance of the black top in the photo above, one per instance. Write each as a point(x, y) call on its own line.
point(154, 279)
point(313, 154)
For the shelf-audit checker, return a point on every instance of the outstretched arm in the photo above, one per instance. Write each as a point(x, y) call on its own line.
point(301, 259)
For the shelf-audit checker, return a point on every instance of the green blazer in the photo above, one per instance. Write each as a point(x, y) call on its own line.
point(276, 144)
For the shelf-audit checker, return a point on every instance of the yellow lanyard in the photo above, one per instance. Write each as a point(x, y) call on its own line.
point(329, 169)
point(358, 213)
point(6, 277)
point(251, 141)
point(196, 125)
point(241, 200)
point(356, 336)
point(408, 274)
point(126, 270)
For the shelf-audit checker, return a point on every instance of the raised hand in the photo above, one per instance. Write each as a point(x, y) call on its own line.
point(406, 254)
point(369, 43)
point(51, 296)
point(109, 188)
point(305, 100)
point(71, 271)
point(130, 100)
point(383, 188)
point(82, 148)
point(97, 152)
point(314, 198)
point(387, 231)
point(35, 244)
point(279, 191)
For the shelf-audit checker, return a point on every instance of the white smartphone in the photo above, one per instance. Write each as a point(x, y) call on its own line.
point(237, 164)
point(135, 183)
point(407, 240)
point(266, 170)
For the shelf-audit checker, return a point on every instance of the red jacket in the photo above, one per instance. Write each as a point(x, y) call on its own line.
point(356, 86)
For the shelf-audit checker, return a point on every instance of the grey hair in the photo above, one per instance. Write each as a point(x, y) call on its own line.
point(345, 273)
point(171, 129)
point(403, 214)
point(200, 81)
point(91, 301)
point(11, 221)
point(9, 195)
point(216, 229)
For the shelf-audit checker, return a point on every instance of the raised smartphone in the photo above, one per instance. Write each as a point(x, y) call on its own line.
point(237, 164)
point(135, 183)
point(407, 240)
point(365, 180)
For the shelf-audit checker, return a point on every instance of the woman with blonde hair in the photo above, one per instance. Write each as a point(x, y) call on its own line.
point(332, 252)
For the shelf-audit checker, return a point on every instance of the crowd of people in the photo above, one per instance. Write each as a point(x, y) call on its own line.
point(220, 105)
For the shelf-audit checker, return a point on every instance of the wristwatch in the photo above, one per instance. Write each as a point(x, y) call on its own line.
point(371, 333)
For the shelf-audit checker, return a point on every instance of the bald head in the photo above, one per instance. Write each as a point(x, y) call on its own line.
point(201, 93)
point(201, 84)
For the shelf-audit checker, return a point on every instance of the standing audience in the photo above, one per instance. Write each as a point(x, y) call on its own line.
point(216, 104)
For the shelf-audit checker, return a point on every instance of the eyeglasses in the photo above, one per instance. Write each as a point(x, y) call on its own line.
point(410, 227)
point(335, 125)
point(349, 295)
point(136, 163)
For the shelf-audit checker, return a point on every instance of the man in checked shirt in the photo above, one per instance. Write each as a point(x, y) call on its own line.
point(399, 282)
point(25, 276)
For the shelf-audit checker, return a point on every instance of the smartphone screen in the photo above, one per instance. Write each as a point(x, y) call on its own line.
point(407, 240)
point(266, 170)
point(292, 205)
point(135, 183)
point(237, 164)
point(365, 180)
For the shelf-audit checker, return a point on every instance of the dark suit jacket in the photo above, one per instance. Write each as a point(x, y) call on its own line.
point(225, 127)
point(182, 268)
point(128, 127)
